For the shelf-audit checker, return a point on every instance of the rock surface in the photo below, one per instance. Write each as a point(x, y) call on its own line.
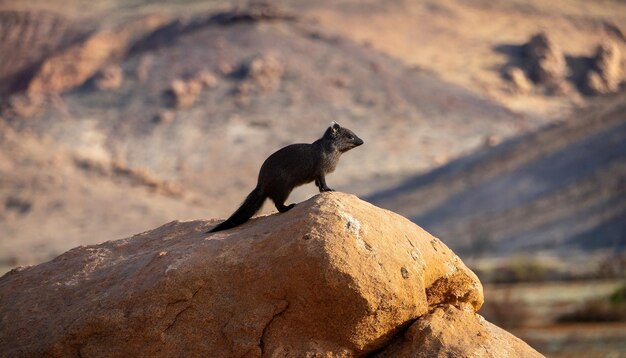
point(333, 276)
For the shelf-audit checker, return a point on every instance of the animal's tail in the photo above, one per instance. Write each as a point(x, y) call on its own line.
point(250, 206)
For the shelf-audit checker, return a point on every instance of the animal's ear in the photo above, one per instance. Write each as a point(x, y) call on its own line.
point(334, 127)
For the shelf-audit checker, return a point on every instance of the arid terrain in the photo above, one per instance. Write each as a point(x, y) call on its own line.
point(498, 126)
point(502, 199)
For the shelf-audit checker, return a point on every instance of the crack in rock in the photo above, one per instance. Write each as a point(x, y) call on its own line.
point(190, 300)
point(281, 310)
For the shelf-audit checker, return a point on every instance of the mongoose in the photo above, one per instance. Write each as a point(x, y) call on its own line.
point(292, 166)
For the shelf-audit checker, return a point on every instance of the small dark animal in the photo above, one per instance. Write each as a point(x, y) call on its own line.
point(292, 166)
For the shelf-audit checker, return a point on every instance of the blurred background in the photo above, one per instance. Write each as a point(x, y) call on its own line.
point(498, 126)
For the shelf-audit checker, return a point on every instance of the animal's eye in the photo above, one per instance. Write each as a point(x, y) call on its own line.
point(350, 137)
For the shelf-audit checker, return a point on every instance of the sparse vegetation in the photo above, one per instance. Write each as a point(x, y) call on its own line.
point(508, 311)
point(608, 309)
point(521, 269)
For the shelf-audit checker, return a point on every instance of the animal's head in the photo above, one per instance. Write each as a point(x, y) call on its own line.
point(343, 138)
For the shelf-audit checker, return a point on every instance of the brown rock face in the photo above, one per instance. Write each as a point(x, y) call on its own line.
point(333, 276)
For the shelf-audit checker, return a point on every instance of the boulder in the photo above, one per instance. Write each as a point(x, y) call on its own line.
point(546, 63)
point(334, 276)
point(262, 75)
point(447, 331)
point(182, 93)
point(517, 77)
point(109, 78)
point(265, 73)
point(605, 74)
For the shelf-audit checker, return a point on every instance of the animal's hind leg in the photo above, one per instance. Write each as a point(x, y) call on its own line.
point(279, 202)
point(282, 208)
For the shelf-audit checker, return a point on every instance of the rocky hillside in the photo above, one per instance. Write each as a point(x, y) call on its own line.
point(156, 118)
point(139, 113)
point(333, 276)
point(490, 47)
point(562, 188)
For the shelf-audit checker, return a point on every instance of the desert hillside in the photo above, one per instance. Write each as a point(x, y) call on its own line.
point(477, 44)
point(561, 188)
point(178, 119)
point(138, 113)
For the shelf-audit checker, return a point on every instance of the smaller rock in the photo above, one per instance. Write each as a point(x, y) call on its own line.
point(594, 85)
point(225, 68)
point(163, 116)
point(182, 94)
point(265, 73)
point(448, 331)
point(546, 63)
point(29, 105)
point(109, 78)
point(206, 78)
point(518, 78)
point(605, 75)
point(143, 68)
point(492, 140)
point(262, 76)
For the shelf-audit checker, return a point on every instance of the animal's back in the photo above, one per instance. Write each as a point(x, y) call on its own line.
point(292, 165)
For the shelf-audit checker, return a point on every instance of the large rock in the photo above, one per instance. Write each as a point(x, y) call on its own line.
point(334, 275)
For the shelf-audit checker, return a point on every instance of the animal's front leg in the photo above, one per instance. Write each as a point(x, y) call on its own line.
point(320, 181)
